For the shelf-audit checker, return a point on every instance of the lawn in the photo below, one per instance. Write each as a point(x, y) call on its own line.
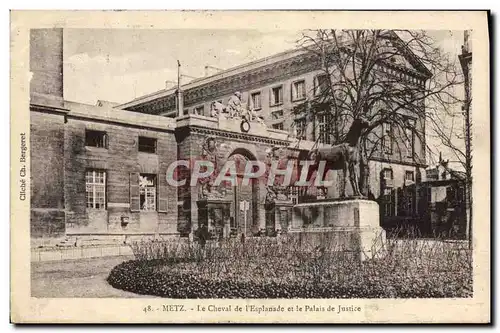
point(281, 268)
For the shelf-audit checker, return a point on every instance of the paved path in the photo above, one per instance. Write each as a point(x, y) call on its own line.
point(76, 278)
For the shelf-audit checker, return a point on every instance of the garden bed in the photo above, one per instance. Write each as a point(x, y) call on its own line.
point(277, 269)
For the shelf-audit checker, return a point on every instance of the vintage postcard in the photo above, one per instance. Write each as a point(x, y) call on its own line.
point(250, 167)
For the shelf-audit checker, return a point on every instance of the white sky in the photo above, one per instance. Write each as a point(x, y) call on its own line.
point(119, 65)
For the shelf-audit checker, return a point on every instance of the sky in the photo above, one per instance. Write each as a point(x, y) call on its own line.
point(119, 65)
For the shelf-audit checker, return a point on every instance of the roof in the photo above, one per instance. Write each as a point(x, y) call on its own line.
point(246, 67)
point(103, 103)
point(108, 114)
point(457, 174)
point(217, 76)
point(454, 174)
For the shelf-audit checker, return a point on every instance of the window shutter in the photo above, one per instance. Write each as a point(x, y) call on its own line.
point(162, 193)
point(135, 201)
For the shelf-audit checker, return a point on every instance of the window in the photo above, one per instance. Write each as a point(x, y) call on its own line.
point(147, 145)
point(410, 138)
point(409, 176)
point(324, 128)
point(256, 104)
point(277, 95)
point(95, 188)
point(278, 126)
point(199, 110)
point(387, 174)
point(147, 192)
point(387, 195)
point(298, 90)
point(408, 95)
point(388, 204)
point(321, 192)
point(387, 138)
point(387, 181)
point(461, 195)
point(293, 194)
point(409, 200)
point(97, 139)
point(451, 195)
point(320, 84)
point(277, 114)
point(301, 126)
point(410, 144)
point(429, 194)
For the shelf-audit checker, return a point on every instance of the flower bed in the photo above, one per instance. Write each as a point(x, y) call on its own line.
point(272, 270)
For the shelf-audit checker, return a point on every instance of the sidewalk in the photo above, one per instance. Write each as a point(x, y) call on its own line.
point(76, 278)
point(79, 252)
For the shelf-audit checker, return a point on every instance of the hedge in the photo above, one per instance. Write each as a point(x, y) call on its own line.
point(161, 278)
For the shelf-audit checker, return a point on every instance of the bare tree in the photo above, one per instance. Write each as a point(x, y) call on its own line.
point(398, 79)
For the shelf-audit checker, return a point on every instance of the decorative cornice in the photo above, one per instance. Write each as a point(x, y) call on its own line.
point(251, 79)
point(401, 162)
point(258, 77)
point(48, 109)
point(237, 136)
point(116, 122)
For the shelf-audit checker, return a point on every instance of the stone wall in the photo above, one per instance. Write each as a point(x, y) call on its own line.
point(46, 61)
point(122, 162)
point(47, 175)
point(190, 146)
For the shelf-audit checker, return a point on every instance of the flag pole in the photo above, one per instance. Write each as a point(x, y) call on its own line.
point(180, 100)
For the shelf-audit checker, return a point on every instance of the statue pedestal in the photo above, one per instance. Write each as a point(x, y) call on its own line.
point(350, 226)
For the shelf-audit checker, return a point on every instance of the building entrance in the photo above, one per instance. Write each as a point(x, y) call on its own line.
point(245, 201)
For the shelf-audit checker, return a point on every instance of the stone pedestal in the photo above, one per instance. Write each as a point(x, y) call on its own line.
point(351, 226)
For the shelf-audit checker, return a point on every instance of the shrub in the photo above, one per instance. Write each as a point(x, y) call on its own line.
point(280, 268)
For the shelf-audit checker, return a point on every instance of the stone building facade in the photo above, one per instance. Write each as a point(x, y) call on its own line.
point(100, 169)
point(46, 149)
point(445, 213)
point(275, 86)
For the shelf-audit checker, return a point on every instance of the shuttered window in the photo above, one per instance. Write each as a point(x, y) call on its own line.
point(147, 192)
point(135, 203)
point(162, 193)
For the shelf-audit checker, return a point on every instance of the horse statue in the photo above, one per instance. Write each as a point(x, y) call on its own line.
point(344, 156)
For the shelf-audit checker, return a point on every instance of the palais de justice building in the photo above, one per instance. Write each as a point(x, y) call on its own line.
point(100, 169)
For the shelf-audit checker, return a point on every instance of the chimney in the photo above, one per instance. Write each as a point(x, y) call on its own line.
point(46, 66)
point(467, 47)
point(180, 97)
point(188, 77)
point(211, 70)
point(170, 84)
